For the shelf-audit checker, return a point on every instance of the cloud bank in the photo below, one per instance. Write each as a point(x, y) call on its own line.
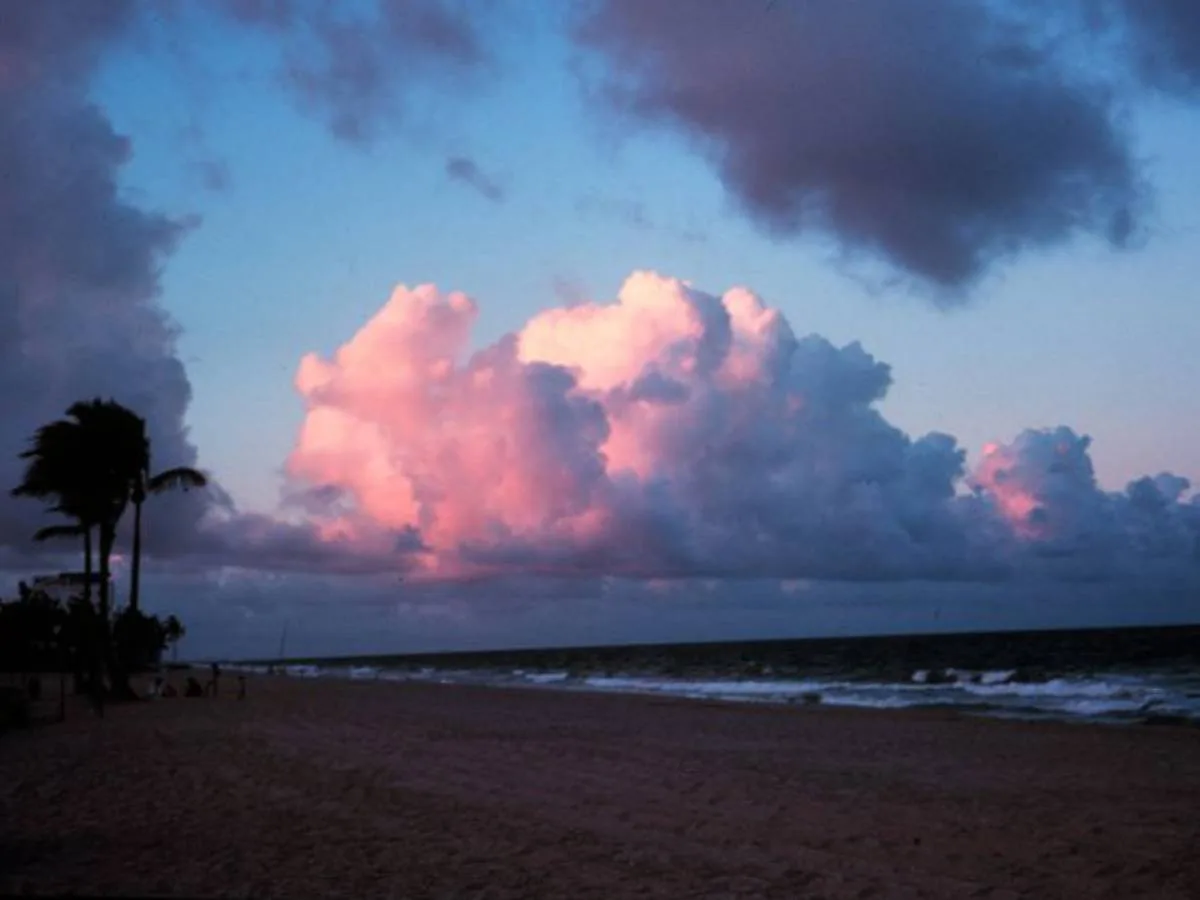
point(79, 288)
point(79, 264)
point(674, 433)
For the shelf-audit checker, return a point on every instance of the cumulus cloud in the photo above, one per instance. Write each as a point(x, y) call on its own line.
point(1044, 487)
point(465, 170)
point(938, 139)
point(358, 65)
point(676, 433)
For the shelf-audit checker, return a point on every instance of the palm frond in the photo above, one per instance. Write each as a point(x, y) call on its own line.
point(180, 477)
point(59, 531)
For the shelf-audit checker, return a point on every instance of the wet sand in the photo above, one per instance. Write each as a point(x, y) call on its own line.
point(320, 789)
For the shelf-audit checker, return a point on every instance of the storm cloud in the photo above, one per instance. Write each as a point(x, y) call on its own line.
point(79, 264)
point(940, 139)
point(79, 288)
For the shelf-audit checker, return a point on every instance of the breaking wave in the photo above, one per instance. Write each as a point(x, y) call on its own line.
point(1114, 697)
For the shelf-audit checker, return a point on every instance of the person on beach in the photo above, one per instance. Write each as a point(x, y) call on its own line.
point(241, 687)
point(193, 688)
point(215, 684)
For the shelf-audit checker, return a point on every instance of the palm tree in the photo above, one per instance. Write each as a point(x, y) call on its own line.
point(94, 463)
point(144, 485)
point(58, 468)
point(111, 444)
point(88, 462)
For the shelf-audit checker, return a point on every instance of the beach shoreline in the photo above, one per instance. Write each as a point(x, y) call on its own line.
point(316, 787)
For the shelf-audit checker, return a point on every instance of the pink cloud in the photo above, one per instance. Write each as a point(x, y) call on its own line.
point(669, 432)
point(478, 451)
point(675, 433)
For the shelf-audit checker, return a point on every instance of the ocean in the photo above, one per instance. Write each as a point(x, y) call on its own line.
point(1117, 676)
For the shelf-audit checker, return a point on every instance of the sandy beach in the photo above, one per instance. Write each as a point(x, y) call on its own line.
point(319, 789)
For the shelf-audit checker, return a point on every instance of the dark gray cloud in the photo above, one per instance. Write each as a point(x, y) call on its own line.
point(466, 171)
point(939, 138)
point(79, 289)
point(358, 65)
point(1163, 35)
point(79, 264)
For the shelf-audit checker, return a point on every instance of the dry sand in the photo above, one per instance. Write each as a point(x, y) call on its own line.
point(312, 789)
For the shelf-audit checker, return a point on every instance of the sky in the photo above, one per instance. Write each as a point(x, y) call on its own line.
point(507, 324)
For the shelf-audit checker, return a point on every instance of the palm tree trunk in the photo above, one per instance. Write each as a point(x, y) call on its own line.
point(135, 569)
point(119, 686)
point(105, 657)
point(80, 670)
point(87, 563)
point(107, 539)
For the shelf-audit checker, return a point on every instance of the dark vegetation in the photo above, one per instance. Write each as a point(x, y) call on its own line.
point(89, 468)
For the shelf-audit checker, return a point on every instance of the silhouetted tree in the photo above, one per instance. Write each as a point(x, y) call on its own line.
point(93, 464)
point(59, 467)
point(78, 639)
point(141, 639)
point(87, 462)
point(38, 633)
point(29, 628)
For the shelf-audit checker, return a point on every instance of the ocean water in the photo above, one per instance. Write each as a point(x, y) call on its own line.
point(1124, 676)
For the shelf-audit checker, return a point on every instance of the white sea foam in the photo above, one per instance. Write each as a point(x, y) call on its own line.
point(1113, 697)
point(247, 669)
point(543, 677)
point(302, 671)
point(998, 677)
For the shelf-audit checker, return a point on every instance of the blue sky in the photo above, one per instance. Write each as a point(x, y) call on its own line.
point(311, 233)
